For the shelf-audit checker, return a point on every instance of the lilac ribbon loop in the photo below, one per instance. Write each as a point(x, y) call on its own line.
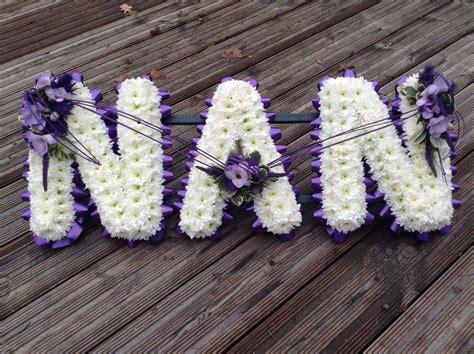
point(423, 236)
point(75, 231)
point(288, 236)
point(257, 225)
point(445, 230)
point(253, 83)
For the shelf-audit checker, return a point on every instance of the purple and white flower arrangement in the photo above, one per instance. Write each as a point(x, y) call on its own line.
point(58, 202)
point(433, 95)
point(242, 177)
point(354, 126)
point(231, 164)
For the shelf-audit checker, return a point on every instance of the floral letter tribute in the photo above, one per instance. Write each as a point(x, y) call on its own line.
point(108, 162)
point(415, 182)
point(232, 163)
point(60, 117)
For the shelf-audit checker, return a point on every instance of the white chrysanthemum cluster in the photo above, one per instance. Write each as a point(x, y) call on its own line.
point(342, 172)
point(435, 191)
point(419, 201)
point(127, 189)
point(52, 211)
point(411, 193)
point(237, 113)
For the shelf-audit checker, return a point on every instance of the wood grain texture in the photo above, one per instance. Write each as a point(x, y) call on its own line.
point(440, 321)
point(249, 291)
point(31, 285)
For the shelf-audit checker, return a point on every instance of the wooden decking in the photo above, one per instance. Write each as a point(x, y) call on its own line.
point(378, 291)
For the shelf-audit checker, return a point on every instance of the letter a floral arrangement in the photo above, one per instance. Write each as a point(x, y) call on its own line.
point(87, 160)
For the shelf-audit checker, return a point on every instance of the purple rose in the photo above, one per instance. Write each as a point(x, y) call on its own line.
point(237, 175)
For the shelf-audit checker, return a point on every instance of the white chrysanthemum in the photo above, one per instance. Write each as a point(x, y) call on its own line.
point(237, 113)
point(435, 192)
point(52, 211)
point(342, 172)
point(127, 189)
point(418, 200)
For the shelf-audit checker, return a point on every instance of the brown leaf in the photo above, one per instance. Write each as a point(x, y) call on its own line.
point(196, 99)
point(344, 66)
point(155, 31)
point(157, 74)
point(232, 53)
point(120, 79)
point(387, 43)
point(126, 9)
point(457, 289)
point(319, 61)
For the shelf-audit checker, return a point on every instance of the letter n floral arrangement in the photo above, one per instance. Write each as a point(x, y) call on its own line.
point(413, 174)
point(107, 163)
point(72, 148)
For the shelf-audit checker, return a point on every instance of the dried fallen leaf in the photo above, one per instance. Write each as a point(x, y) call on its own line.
point(232, 53)
point(121, 79)
point(319, 61)
point(387, 43)
point(344, 66)
point(155, 31)
point(196, 99)
point(126, 9)
point(157, 74)
point(457, 289)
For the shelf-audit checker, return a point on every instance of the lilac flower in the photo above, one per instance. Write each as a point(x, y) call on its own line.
point(428, 102)
point(58, 95)
point(439, 125)
point(436, 103)
point(44, 80)
point(32, 115)
point(39, 142)
point(237, 175)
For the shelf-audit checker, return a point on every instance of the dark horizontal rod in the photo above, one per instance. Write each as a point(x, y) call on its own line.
point(179, 119)
point(302, 199)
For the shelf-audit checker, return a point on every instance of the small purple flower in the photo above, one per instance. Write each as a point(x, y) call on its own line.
point(428, 102)
point(58, 95)
point(439, 125)
point(32, 115)
point(39, 142)
point(237, 175)
point(44, 80)
point(436, 102)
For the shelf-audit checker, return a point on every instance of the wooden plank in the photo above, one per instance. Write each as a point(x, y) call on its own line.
point(347, 304)
point(14, 10)
point(132, 30)
point(235, 26)
point(21, 145)
point(178, 70)
point(192, 45)
point(224, 301)
point(19, 296)
point(39, 287)
point(191, 319)
point(356, 326)
point(440, 320)
point(71, 17)
point(118, 305)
